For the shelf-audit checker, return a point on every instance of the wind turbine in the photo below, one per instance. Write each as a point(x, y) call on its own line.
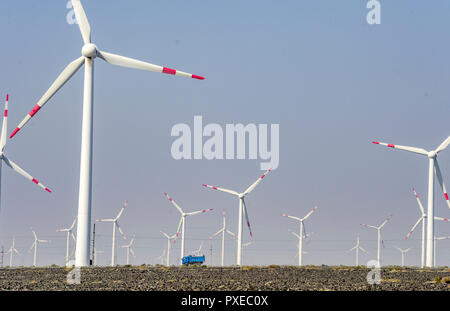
point(129, 250)
point(301, 233)
point(438, 239)
point(115, 224)
point(357, 247)
point(182, 222)
point(403, 251)
point(379, 236)
point(169, 237)
point(12, 250)
point(161, 257)
point(423, 220)
point(223, 230)
point(242, 210)
point(88, 53)
point(3, 157)
point(197, 251)
point(69, 233)
point(433, 168)
point(35, 244)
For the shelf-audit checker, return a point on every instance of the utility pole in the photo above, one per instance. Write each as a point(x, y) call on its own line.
point(3, 253)
point(93, 247)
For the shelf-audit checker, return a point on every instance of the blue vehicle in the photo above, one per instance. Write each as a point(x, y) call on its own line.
point(193, 260)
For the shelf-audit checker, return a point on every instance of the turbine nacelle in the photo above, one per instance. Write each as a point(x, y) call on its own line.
point(432, 154)
point(89, 50)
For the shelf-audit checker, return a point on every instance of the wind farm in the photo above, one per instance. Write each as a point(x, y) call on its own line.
point(108, 144)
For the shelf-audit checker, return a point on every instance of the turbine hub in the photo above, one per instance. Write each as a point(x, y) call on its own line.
point(432, 154)
point(89, 50)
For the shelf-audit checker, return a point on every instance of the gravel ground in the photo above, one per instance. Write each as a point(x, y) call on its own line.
point(284, 278)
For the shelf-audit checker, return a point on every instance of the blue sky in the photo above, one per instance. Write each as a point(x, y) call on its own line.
point(332, 82)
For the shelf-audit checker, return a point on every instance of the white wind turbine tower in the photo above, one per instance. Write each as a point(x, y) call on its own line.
point(115, 224)
point(3, 157)
point(305, 236)
point(35, 244)
point(423, 220)
point(433, 168)
point(89, 52)
point(242, 210)
point(357, 247)
point(169, 238)
point(223, 230)
point(12, 250)
point(379, 236)
point(302, 232)
point(403, 251)
point(69, 233)
point(129, 250)
point(438, 239)
point(182, 222)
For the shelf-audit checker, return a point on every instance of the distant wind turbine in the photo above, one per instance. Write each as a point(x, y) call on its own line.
point(242, 210)
point(357, 247)
point(403, 251)
point(223, 230)
point(379, 236)
point(12, 250)
point(35, 245)
point(69, 233)
point(115, 224)
point(302, 231)
point(182, 223)
point(129, 250)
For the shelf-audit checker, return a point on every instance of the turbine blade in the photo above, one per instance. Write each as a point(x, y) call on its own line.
point(73, 224)
point(179, 226)
point(444, 145)
point(414, 227)
point(173, 202)
point(5, 125)
point(34, 234)
point(132, 252)
point(442, 219)
point(384, 222)
point(215, 234)
point(353, 248)
point(123, 61)
point(221, 189)
point(250, 189)
point(120, 230)
point(422, 210)
point(67, 73)
point(406, 148)
point(246, 217)
point(199, 212)
point(15, 167)
point(309, 214)
point(104, 220)
point(369, 226)
point(32, 245)
point(437, 170)
point(363, 250)
point(73, 237)
point(292, 217)
point(295, 234)
point(165, 234)
point(121, 210)
point(82, 21)
point(230, 233)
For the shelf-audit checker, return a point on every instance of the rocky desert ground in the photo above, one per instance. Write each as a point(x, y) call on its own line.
point(247, 278)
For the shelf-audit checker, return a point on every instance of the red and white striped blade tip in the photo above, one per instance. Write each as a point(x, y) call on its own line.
point(174, 72)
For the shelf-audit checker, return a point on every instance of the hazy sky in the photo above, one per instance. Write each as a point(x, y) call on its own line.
point(331, 81)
